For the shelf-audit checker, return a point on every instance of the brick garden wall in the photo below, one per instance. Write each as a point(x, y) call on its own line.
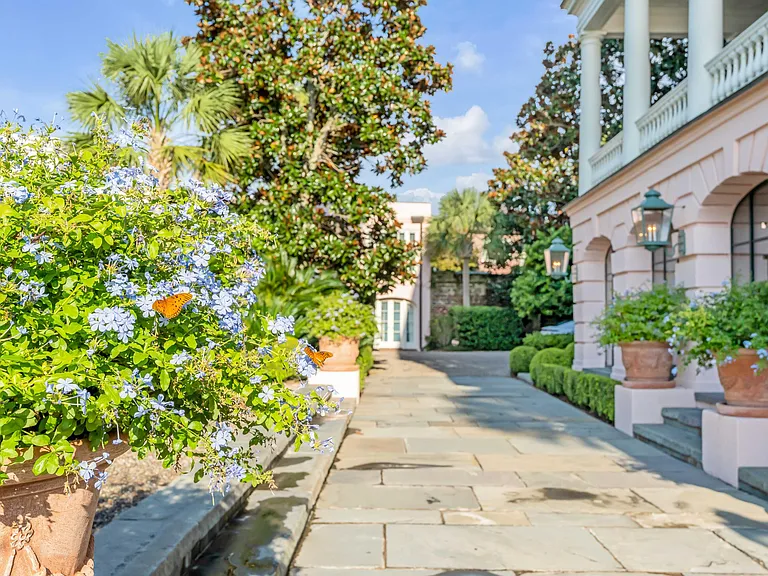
point(446, 290)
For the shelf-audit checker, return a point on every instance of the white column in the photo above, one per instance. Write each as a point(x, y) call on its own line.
point(705, 40)
point(590, 130)
point(637, 70)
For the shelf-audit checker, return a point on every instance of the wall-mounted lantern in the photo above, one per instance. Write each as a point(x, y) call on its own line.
point(557, 257)
point(653, 221)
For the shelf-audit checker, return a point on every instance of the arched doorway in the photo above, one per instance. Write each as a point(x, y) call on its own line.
point(749, 237)
point(609, 294)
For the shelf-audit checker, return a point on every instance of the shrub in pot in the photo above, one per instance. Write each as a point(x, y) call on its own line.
point(728, 330)
point(125, 323)
point(641, 322)
point(339, 322)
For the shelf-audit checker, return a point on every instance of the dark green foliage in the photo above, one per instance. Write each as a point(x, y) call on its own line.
point(520, 359)
point(571, 350)
point(365, 359)
point(590, 391)
point(541, 341)
point(440, 332)
point(557, 356)
point(486, 327)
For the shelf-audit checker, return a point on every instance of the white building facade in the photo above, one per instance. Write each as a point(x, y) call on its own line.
point(403, 314)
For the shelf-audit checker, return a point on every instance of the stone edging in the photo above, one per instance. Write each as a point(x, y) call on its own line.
point(163, 534)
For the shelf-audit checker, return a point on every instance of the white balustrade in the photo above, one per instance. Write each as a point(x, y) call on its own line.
point(667, 115)
point(608, 159)
point(741, 61)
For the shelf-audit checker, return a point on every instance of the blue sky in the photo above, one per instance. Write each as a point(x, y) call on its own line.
point(51, 47)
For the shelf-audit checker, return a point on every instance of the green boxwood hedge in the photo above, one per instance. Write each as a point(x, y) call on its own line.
point(590, 391)
point(520, 359)
point(541, 341)
point(486, 327)
point(554, 356)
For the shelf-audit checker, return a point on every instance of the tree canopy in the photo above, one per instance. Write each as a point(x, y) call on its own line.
point(328, 95)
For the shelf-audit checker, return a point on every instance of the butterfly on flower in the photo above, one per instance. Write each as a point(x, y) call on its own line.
point(316, 356)
point(171, 306)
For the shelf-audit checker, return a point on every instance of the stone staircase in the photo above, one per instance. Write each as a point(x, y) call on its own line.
point(679, 435)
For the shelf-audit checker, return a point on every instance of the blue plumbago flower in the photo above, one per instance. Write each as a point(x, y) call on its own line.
point(22, 330)
point(305, 367)
point(266, 394)
point(114, 319)
point(120, 286)
point(8, 272)
point(728, 360)
point(128, 390)
point(747, 344)
point(144, 303)
point(265, 351)
point(141, 411)
point(281, 325)
point(221, 437)
point(101, 479)
point(44, 257)
point(125, 138)
point(180, 358)
point(223, 302)
point(32, 291)
point(160, 404)
point(30, 247)
point(87, 470)
point(200, 259)
point(256, 379)
point(674, 370)
point(235, 473)
point(66, 386)
point(82, 399)
point(762, 353)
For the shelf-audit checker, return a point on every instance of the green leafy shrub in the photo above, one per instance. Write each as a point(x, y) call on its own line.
point(365, 359)
point(486, 327)
point(338, 316)
point(590, 391)
point(91, 346)
point(541, 341)
point(571, 351)
point(520, 359)
point(641, 316)
point(550, 356)
point(440, 332)
point(713, 327)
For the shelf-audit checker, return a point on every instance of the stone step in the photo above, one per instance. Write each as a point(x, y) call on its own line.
point(754, 480)
point(682, 444)
point(684, 418)
point(709, 398)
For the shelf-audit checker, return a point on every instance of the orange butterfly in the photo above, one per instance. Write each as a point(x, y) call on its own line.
point(171, 306)
point(316, 356)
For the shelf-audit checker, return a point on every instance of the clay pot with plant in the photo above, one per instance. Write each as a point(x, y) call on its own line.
point(124, 327)
point(339, 322)
point(641, 323)
point(727, 330)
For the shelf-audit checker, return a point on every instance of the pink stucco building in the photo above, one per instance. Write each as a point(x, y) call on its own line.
point(403, 314)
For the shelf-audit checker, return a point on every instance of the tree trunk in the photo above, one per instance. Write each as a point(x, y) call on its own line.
point(158, 160)
point(465, 282)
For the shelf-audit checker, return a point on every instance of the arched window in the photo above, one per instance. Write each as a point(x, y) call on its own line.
point(749, 237)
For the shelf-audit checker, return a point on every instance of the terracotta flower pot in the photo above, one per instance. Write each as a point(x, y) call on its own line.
point(45, 528)
point(344, 352)
point(746, 393)
point(647, 364)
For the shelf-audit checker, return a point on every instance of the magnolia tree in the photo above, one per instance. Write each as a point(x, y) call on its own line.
point(126, 317)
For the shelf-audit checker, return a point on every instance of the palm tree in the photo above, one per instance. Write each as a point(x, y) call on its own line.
point(190, 124)
point(463, 215)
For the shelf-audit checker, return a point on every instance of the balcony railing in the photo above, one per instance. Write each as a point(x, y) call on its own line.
point(608, 159)
point(743, 60)
point(665, 116)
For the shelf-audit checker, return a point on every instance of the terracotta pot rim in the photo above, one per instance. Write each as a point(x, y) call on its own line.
point(333, 340)
point(645, 344)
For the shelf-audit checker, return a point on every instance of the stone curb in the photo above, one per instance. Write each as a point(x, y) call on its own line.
point(163, 534)
point(262, 540)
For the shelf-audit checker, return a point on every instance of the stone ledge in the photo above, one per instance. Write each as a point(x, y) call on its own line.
point(163, 534)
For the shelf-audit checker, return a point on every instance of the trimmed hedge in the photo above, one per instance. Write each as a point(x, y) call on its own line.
point(541, 341)
point(520, 359)
point(365, 362)
point(590, 391)
point(554, 356)
point(486, 327)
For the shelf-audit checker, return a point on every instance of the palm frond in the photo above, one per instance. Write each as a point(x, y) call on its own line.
point(208, 107)
point(84, 104)
point(229, 146)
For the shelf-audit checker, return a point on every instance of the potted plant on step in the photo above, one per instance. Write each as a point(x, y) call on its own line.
point(729, 330)
point(339, 321)
point(125, 323)
point(641, 322)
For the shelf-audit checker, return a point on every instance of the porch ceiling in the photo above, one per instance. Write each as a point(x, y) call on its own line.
point(669, 18)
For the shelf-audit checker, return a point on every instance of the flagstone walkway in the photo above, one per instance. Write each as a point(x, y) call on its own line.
point(450, 467)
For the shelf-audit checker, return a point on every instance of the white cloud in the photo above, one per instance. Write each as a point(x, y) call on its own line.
point(502, 142)
point(468, 58)
point(478, 181)
point(419, 194)
point(464, 141)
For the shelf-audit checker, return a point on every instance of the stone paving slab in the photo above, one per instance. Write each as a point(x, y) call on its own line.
point(547, 463)
point(450, 477)
point(496, 548)
point(406, 432)
point(564, 500)
point(370, 477)
point(406, 461)
point(376, 516)
point(585, 520)
point(398, 497)
point(675, 550)
point(342, 546)
point(753, 542)
point(726, 504)
point(360, 445)
point(455, 445)
point(485, 518)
